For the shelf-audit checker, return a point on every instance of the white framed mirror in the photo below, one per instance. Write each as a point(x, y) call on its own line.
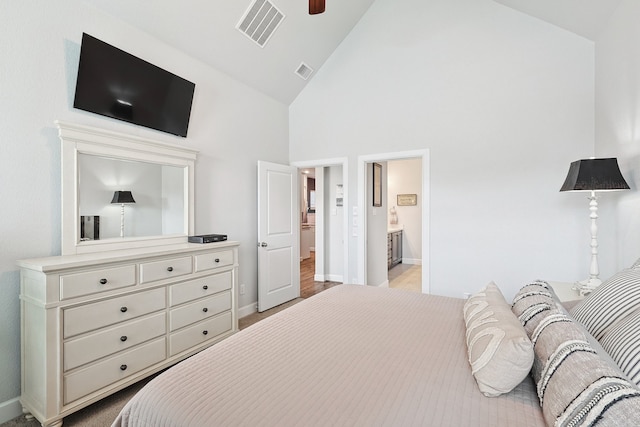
point(121, 191)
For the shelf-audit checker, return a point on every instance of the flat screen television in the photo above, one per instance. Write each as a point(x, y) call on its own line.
point(114, 83)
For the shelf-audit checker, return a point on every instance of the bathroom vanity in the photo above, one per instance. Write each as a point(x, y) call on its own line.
point(394, 246)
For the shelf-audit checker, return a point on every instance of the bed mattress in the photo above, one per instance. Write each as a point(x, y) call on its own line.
point(349, 356)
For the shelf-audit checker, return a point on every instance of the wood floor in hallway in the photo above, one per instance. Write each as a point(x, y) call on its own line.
point(308, 286)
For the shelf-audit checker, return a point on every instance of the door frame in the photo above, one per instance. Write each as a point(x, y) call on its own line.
point(320, 247)
point(363, 160)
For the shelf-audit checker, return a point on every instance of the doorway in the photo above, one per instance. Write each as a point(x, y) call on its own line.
point(323, 242)
point(372, 248)
point(404, 219)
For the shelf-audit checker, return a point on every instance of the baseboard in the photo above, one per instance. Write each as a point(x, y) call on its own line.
point(334, 278)
point(247, 310)
point(328, 278)
point(384, 284)
point(416, 261)
point(10, 409)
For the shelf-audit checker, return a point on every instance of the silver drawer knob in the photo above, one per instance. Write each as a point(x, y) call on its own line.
point(123, 367)
point(123, 338)
point(103, 281)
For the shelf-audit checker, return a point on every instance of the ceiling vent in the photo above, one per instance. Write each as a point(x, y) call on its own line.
point(260, 21)
point(304, 71)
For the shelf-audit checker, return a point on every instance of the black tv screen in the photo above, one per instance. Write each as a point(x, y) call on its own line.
point(116, 84)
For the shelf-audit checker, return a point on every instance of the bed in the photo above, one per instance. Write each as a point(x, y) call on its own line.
point(350, 356)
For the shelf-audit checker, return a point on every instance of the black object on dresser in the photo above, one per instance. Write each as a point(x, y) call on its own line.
point(208, 238)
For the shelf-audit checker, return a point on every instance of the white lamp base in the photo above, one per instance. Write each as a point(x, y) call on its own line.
point(585, 287)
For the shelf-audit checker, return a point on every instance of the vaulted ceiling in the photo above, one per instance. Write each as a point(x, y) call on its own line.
point(583, 17)
point(207, 30)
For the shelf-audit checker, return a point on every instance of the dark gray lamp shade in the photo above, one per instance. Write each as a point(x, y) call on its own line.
point(594, 175)
point(122, 197)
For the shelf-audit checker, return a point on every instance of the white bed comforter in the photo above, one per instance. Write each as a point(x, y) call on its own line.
point(349, 356)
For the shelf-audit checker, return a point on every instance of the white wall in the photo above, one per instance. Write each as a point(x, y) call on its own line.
point(376, 230)
point(231, 124)
point(172, 200)
point(618, 134)
point(504, 102)
point(334, 226)
point(405, 177)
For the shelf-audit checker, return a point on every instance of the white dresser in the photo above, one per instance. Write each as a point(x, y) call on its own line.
point(93, 324)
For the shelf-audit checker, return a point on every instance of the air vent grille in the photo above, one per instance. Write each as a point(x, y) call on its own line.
point(304, 71)
point(260, 21)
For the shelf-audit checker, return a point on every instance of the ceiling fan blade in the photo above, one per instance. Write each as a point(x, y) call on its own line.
point(316, 7)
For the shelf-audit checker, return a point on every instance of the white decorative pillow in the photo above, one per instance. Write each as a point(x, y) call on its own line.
point(614, 299)
point(500, 353)
point(622, 342)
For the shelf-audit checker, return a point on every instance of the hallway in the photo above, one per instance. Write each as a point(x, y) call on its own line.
point(309, 287)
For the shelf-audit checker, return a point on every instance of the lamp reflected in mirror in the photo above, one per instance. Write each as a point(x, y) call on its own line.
point(122, 198)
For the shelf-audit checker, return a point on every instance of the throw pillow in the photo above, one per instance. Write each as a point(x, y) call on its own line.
point(614, 299)
point(622, 342)
point(576, 385)
point(500, 353)
point(532, 303)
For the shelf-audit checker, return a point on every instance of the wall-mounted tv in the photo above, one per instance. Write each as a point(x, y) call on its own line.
point(114, 83)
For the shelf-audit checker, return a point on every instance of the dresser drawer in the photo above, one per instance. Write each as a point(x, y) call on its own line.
point(198, 288)
point(199, 333)
point(115, 368)
point(92, 347)
point(104, 313)
point(199, 310)
point(165, 269)
point(91, 282)
point(214, 260)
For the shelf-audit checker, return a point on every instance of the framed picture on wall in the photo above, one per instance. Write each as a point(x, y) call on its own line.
point(377, 185)
point(407, 199)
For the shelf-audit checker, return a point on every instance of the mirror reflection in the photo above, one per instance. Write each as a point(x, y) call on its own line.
point(121, 198)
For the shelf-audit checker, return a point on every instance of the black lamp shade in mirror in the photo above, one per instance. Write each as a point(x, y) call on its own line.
point(121, 197)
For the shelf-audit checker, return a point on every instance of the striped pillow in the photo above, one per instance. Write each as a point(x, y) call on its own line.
point(576, 385)
point(532, 303)
point(616, 298)
point(622, 342)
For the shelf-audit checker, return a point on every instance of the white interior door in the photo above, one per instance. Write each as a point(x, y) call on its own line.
point(278, 235)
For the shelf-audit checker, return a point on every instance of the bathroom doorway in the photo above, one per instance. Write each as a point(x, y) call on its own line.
point(409, 194)
point(404, 224)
